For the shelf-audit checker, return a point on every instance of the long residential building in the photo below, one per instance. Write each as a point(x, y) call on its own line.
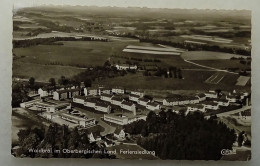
point(143, 101)
point(121, 119)
point(66, 94)
point(128, 106)
point(153, 106)
point(180, 100)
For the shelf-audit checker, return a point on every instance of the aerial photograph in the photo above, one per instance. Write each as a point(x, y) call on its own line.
point(133, 83)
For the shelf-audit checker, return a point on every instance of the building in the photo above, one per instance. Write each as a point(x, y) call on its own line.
point(153, 106)
point(201, 96)
point(103, 90)
point(133, 97)
point(94, 137)
point(128, 106)
point(232, 98)
point(116, 118)
point(195, 107)
point(102, 107)
point(50, 116)
point(119, 134)
point(46, 91)
point(117, 100)
point(143, 101)
point(91, 92)
point(211, 105)
point(79, 99)
point(58, 107)
point(28, 103)
point(83, 122)
point(66, 94)
point(90, 103)
point(118, 90)
point(211, 94)
point(106, 97)
point(138, 93)
point(181, 100)
point(126, 67)
point(221, 102)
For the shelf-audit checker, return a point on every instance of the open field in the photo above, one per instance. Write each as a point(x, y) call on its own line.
point(192, 80)
point(242, 80)
point(208, 55)
point(43, 72)
point(223, 64)
point(216, 78)
point(153, 50)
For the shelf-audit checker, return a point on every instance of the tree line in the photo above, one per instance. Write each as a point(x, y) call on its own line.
point(180, 137)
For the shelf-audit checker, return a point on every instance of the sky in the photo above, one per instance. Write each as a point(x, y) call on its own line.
point(201, 4)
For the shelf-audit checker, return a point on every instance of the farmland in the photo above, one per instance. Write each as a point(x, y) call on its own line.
point(208, 55)
point(216, 78)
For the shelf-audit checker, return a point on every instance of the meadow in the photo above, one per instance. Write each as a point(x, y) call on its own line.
point(208, 55)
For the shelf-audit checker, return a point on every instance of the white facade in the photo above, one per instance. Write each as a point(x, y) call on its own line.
point(118, 90)
point(169, 102)
point(91, 104)
point(138, 93)
point(134, 98)
point(106, 98)
point(212, 106)
point(143, 102)
point(78, 100)
point(153, 106)
point(211, 95)
point(106, 109)
point(128, 107)
point(120, 135)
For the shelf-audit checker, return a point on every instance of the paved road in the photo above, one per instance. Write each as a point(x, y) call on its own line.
point(228, 113)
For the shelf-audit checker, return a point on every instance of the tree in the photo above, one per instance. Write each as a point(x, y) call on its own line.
point(52, 81)
point(31, 81)
point(88, 83)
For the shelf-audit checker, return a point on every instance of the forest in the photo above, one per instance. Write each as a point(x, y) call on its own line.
point(180, 137)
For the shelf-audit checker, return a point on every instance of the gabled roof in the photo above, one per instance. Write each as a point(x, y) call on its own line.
point(100, 104)
point(107, 95)
point(144, 99)
point(209, 103)
point(201, 95)
point(199, 106)
point(133, 95)
point(127, 103)
point(152, 104)
point(91, 100)
point(80, 97)
point(115, 98)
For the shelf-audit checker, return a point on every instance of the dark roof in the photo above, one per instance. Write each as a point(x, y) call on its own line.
point(181, 98)
point(107, 95)
point(127, 103)
point(210, 103)
point(199, 106)
point(144, 99)
point(117, 98)
point(201, 95)
point(118, 130)
point(220, 100)
point(91, 100)
point(152, 104)
point(80, 97)
point(48, 88)
point(101, 104)
point(133, 95)
point(67, 90)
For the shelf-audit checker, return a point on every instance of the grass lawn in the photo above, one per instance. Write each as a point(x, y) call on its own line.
point(131, 156)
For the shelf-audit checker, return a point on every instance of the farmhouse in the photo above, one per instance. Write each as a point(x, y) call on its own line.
point(201, 96)
point(138, 93)
point(118, 90)
point(102, 107)
point(210, 105)
point(117, 100)
point(221, 102)
point(79, 99)
point(90, 103)
point(153, 106)
point(143, 101)
point(106, 97)
point(211, 94)
point(128, 106)
point(126, 67)
point(195, 107)
point(133, 97)
point(119, 134)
